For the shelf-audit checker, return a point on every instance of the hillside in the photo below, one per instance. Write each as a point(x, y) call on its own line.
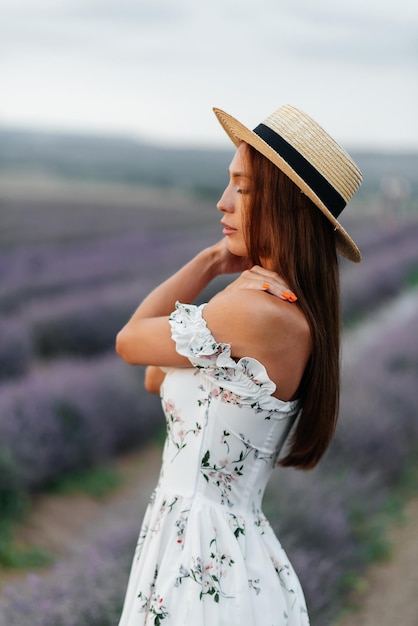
point(133, 162)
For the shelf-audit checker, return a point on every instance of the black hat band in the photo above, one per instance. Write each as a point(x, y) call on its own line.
point(334, 202)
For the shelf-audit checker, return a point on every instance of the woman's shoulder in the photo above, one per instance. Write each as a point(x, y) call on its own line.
point(252, 318)
point(264, 327)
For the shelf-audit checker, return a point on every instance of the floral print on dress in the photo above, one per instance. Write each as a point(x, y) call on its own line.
point(260, 521)
point(221, 475)
point(208, 574)
point(181, 525)
point(225, 471)
point(166, 507)
point(237, 524)
point(254, 584)
point(284, 573)
point(175, 427)
point(153, 603)
point(141, 539)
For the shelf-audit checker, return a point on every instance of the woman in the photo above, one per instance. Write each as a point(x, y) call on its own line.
point(259, 360)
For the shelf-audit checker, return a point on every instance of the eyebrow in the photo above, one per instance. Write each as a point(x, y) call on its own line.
point(239, 175)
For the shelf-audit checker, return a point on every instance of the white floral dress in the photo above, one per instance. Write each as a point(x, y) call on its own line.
point(206, 554)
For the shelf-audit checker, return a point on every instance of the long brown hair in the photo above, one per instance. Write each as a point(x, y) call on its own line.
point(284, 226)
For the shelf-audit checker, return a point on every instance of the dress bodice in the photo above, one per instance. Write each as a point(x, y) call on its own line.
point(221, 418)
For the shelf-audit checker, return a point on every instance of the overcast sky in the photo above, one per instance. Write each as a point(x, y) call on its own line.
point(153, 69)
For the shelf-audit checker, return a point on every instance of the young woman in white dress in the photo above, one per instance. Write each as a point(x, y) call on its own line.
point(248, 380)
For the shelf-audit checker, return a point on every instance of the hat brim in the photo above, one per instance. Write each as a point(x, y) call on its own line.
point(239, 133)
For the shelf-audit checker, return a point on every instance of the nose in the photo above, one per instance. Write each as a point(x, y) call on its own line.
point(224, 204)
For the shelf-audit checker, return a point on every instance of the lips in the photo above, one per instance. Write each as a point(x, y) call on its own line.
point(228, 230)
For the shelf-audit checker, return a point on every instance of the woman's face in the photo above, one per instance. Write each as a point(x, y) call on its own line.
point(234, 201)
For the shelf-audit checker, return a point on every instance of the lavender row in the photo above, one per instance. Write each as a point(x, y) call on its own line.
point(71, 243)
point(385, 270)
point(85, 590)
point(70, 415)
point(371, 230)
point(72, 215)
point(317, 515)
point(85, 324)
point(16, 348)
point(28, 274)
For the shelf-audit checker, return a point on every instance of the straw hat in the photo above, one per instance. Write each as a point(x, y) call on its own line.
point(302, 149)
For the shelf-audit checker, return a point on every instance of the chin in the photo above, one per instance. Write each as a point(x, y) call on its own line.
point(237, 250)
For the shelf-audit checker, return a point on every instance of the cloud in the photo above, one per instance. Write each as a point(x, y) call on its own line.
point(189, 32)
point(358, 38)
point(156, 66)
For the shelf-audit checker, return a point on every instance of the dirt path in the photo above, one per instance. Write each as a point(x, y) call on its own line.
point(390, 595)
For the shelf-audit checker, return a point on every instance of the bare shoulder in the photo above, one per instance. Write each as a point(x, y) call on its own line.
point(262, 326)
point(239, 317)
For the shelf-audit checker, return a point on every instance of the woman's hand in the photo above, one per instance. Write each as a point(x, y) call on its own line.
point(154, 377)
point(228, 263)
point(146, 338)
point(261, 279)
point(251, 276)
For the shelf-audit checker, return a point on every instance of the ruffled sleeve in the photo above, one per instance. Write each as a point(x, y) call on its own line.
point(246, 379)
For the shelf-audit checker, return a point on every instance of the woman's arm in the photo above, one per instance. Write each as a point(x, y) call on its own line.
point(146, 338)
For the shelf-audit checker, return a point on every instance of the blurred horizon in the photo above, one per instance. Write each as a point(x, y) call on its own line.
point(31, 157)
point(167, 144)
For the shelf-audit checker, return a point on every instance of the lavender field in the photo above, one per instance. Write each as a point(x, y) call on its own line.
point(74, 263)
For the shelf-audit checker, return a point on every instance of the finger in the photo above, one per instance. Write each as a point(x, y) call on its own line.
point(261, 279)
point(284, 294)
point(277, 290)
point(289, 296)
point(280, 289)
